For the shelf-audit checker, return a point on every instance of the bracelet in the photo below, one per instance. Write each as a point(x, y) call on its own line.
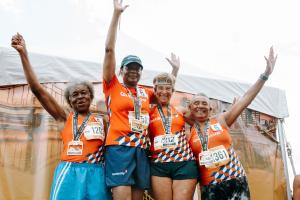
point(263, 77)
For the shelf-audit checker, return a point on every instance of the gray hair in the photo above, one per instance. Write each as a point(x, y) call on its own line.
point(72, 85)
point(200, 94)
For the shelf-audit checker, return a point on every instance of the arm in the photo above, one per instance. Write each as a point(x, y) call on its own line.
point(47, 101)
point(109, 63)
point(175, 63)
point(237, 108)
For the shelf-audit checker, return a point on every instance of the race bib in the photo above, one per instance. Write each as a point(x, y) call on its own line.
point(94, 130)
point(214, 157)
point(75, 148)
point(169, 141)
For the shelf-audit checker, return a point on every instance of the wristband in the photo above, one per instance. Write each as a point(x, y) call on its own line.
point(263, 77)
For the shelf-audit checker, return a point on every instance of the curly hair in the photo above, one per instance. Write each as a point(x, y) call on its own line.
point(72, 85)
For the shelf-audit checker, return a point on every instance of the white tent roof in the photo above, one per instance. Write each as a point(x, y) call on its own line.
point(271, 101)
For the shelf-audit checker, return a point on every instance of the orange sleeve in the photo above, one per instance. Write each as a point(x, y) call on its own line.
point(108, 86)
point(151, 95)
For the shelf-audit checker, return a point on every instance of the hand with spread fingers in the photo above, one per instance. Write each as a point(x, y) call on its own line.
point(271, 60)
point(175, 63)
point(118, 6)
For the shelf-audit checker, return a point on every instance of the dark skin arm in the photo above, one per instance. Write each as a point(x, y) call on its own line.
point(109, 63)
point(47, 101)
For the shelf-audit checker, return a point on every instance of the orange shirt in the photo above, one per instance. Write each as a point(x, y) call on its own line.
point(92, 149)
point(219, 135)
point(182, 151)
point(120, 105)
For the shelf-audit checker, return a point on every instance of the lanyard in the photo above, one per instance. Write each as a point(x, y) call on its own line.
point(203, 137)
point(136, 101)
point(167, 121)
point(77, 132)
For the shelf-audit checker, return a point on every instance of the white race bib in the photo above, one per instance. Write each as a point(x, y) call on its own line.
point(94, 130)
point(169, 141)
point(214, 157)
point(75, 148)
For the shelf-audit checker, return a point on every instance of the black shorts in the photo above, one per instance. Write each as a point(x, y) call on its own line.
point(233, 189)
point(175, 170)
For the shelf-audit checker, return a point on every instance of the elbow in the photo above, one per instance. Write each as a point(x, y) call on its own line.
point(109, 50)
point(36, 91)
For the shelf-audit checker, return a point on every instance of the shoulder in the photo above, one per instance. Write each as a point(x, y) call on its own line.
point(219, 118)
point(148, 90)
point(111, 84)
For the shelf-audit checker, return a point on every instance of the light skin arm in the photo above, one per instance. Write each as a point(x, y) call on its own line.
point(174, 61)
point(47, 101)
point(109, 63)
point(237, 108)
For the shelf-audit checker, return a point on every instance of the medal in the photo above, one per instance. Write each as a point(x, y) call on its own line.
point(75, 148)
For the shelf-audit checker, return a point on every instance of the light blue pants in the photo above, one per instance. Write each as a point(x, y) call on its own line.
point(78, 181)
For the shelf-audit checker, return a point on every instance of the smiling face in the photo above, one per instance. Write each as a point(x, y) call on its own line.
point(200, 108)
point(131, 74)
point(163, 93)
point(80, 98)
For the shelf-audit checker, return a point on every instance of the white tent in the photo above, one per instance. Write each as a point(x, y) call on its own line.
point(271, 101)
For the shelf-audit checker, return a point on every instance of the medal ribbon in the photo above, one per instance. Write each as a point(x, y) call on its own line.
point(167, 121)
point(203, 137)
point(77, 132)
point(137, 103)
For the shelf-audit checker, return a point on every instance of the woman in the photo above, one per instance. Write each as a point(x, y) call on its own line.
point(174, 170)
point(127, 166)
point(221, 173)
point(80, 174)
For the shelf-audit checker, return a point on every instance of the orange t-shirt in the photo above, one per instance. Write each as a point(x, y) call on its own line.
point(120, 105)
point(182, 151)
point(217, 135)
point(92, 149)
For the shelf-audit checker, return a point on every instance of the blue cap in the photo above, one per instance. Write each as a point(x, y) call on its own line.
point(131, 59)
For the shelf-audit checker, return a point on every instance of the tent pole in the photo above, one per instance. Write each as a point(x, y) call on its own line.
point(289, 152)
point(281, 134)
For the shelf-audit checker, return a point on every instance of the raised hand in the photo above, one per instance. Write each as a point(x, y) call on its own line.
point(118, 6)
point(271, 60)
point(18, 43)
point(174, 61)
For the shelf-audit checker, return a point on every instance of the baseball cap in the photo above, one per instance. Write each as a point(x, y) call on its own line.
point(131, 59)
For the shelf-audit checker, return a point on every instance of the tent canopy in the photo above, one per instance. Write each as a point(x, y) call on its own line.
point(271, 101)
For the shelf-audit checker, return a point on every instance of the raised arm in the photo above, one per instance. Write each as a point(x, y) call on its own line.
point(47, 101)
point(237, 108)
point(109, 63)
point(175, 63)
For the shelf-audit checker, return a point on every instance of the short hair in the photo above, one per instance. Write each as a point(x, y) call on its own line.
point(200, 94)
point(164, 79)
point(74, 84)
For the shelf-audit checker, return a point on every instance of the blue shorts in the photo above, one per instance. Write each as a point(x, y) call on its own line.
point(79, 181)
point(127, 166)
